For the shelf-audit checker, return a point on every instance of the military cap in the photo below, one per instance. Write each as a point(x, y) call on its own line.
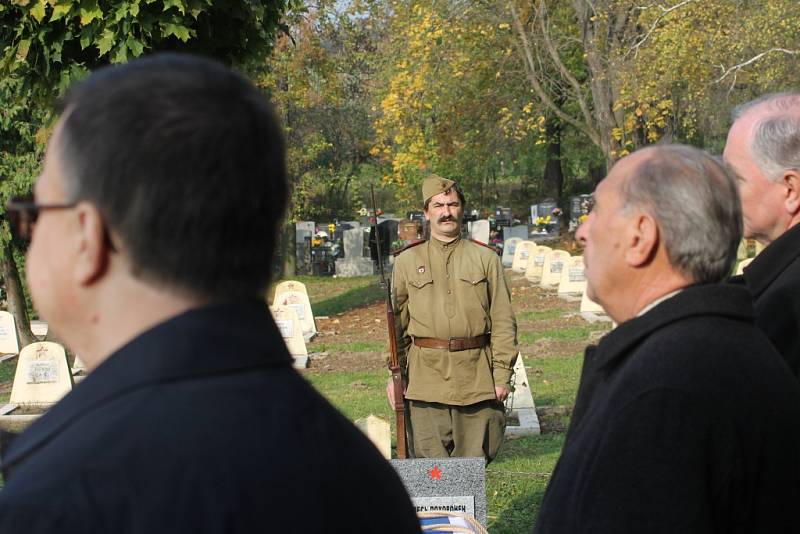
point(433, 185)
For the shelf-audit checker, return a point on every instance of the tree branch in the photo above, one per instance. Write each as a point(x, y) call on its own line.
point(664, 12)
point(530, 63)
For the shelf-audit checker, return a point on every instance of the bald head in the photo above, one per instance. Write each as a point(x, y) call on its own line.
point(695, 203)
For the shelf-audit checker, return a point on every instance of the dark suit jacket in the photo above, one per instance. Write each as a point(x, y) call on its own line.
point(686, 420)
point(199, 425)
point(773, 279)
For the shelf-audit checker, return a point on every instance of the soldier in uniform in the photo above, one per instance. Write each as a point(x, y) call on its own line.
point(456, 334)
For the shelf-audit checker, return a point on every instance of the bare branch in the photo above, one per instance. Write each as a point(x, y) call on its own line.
point(757, 57)
point(532, 74)
point(556, 58)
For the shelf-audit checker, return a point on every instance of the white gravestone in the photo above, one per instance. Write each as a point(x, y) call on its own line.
point(520, 404)
point(509, 247)
point(479, 230)
point(535, 266)
point(292, 333)
point(521, 256)
point(39, 329)
point(78, 367)
point(553, 267)
point(573, 277)
point(379, 433)
point(9, 344)
point(742, 264)
point(294, 295)
point(42, 376)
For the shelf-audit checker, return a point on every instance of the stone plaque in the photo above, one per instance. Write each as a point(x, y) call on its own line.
point(573, 278)
point(289, 325)
point(9, 344)
point(519, 231)
point(509, 247)
point(294, 295)
point(588, 305)
point(534, 271)
point(521, 255)
point(452, 479)
point(42, 375)
point(464, 504)
point(520, 404)
point(553, 265)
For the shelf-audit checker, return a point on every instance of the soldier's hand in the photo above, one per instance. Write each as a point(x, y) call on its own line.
point(501, 393)
point(390, 392)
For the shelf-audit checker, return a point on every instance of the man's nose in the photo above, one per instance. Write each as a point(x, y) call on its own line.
point(583, 229)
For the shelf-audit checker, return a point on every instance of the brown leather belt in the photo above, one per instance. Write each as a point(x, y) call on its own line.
point(453, 344)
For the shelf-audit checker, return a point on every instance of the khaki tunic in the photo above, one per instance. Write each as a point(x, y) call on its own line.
point(448, 290)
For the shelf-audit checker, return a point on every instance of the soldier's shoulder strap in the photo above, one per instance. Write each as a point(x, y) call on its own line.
point(410, 245)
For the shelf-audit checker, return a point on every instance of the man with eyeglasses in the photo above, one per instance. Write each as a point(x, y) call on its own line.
point(763, 151)
point(156, 216)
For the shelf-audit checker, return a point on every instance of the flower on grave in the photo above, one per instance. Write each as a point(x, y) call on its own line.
point(542, 223)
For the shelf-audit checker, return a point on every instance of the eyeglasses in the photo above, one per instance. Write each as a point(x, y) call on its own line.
point(22, 216)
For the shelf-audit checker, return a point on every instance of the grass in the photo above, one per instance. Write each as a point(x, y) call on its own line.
point(571, 333)
point(331, 296)
point(554, 381)
point(355, 346)
point(544, 315)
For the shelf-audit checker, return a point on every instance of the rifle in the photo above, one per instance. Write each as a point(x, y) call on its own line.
point(394, 363)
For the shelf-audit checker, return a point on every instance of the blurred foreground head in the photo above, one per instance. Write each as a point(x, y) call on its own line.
point(185, 161)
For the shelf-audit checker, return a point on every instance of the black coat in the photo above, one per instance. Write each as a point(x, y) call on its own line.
point(200, 425)
point(686, 420)
point(773, 279)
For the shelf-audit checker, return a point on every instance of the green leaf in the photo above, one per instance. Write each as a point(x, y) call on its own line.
point(90, 11)
point(181, 32)
point(60, 9)
point(22, 49)
point(136, 47)
point(87, 36)
point(122, 54)
point(105, 42)
point(175, 3)
point(38, 10)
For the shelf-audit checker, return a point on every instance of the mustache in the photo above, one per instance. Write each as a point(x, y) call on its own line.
point(446, 218)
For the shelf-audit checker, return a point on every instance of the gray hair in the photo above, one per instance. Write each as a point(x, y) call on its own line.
point(776, 134)
point(695, 203)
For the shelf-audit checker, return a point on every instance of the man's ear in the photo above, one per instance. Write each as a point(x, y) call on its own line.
point(94, 249)
point(642, 237)
point(791, 178)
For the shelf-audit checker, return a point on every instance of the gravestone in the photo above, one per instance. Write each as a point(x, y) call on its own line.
point(479, 230)
point(9, 344)
point(520, 231)
point(536, 265)
point(591, 311)
point(42, 376)
point(294, 295)
point(509, 247)
point(78, 367)
point(379, 433)
point(292, 333)
point(39, 329)
point(521, 256)
point(304, 232)
point(554, 265)
point(353, 263)
point(573, 277)
point(520, 405)
point(742, 264)
point(445, 484)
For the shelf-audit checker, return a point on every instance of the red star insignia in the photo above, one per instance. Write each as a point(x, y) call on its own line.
point(435, 473)
point(421, 269)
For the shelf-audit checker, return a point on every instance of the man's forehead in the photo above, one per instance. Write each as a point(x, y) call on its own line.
point(447, 196)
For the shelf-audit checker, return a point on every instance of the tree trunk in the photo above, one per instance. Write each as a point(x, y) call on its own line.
point(16, 297)
point(553, 173)
point(289, 251)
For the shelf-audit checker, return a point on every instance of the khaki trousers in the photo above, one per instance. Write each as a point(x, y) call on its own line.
point(442, 430)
